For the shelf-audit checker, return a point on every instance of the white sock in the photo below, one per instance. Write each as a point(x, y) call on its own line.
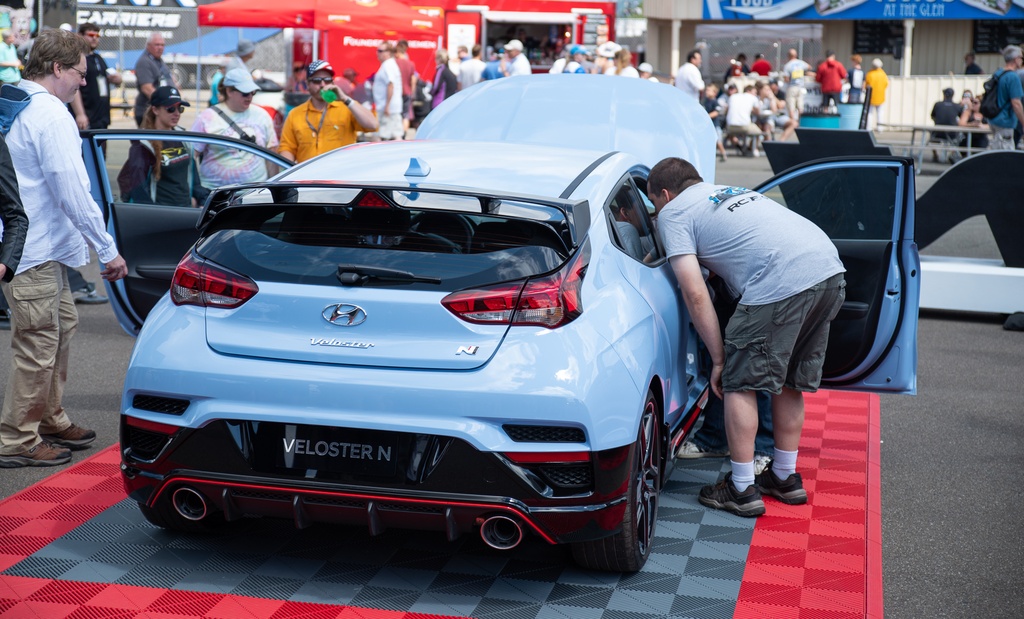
point(784, 463)
point(742, 474)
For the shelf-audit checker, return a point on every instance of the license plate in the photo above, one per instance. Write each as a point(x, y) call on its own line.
point(340, 450)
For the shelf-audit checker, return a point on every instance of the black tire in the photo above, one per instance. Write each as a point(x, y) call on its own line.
point(164, 516)
point(627, 550)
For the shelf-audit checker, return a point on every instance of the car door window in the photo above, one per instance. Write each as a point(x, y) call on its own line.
point(648, 211)
point(847, 203)
point(630, 225)
point(171, 171)
point(163, 172)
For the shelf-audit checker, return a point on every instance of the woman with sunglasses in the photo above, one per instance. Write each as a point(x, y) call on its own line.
point(162, 171)
point(235, 117)
point(971, 117)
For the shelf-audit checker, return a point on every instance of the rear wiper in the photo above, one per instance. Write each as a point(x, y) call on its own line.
point(357, 275)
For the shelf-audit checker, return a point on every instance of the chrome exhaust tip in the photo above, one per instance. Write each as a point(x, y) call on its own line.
point(501, 532)
point(189, 503)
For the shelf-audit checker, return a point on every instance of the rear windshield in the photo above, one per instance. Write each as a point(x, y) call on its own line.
point(443, 250)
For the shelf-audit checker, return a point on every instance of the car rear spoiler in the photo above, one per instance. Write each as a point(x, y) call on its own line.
point(574, 213)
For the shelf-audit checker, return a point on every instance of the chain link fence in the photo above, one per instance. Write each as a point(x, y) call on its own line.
point(631, 33)
point(718, 53)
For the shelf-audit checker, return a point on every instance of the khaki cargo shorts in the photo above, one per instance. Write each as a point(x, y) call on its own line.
point(782, 344)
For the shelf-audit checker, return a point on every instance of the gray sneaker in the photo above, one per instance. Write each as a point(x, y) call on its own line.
point(689, 449)
point(43, 454)
point(88, 295)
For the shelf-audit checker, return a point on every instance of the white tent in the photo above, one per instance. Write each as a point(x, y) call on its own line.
point(755, 30)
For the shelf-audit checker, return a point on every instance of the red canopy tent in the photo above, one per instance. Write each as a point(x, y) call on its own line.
point(354, 28)
point(258, 13)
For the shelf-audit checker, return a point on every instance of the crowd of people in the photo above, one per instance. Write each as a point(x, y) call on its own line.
point(1004, 123)
point(758, 103)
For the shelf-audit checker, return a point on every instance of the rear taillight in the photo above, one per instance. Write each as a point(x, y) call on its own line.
point(202, 283)
point(550, 301)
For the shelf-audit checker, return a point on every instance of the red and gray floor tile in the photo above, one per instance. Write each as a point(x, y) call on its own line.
point(73, 546)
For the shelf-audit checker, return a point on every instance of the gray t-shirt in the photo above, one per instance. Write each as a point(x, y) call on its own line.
point(795, 70)
point(763, 250)
point(149, 70)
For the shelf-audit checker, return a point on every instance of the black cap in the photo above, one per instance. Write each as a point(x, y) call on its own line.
point(166, 95)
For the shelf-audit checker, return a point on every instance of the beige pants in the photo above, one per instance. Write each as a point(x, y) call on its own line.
point(43, 321)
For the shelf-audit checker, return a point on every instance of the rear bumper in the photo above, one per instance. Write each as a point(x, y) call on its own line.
point(378, 511)
point(434, 482)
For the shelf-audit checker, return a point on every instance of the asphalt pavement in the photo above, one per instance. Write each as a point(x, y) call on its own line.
point(953, 544)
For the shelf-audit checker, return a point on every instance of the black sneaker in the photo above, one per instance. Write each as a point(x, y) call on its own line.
point(724, 495)
point(790, 490)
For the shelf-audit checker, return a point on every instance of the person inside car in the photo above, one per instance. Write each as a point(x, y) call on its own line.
point(162, 171)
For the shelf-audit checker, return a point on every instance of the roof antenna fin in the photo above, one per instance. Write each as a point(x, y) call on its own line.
point(417, 167)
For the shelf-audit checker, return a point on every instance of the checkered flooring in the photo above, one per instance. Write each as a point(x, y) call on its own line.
point(73, 546)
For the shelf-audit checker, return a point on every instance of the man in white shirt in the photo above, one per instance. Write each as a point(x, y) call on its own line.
point(739, 120)
point(517, 64)
point(688, 78)
point(64, 223)
point(470, 70)
point(387, 95)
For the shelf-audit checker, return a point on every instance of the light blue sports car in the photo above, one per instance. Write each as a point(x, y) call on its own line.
point(474, 331)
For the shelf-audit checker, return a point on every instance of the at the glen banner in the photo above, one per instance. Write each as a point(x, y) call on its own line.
point(770, 10)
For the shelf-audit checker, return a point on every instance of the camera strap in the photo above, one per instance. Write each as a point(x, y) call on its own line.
point(234, 127)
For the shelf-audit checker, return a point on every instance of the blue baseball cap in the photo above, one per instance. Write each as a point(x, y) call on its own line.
point(577, 49)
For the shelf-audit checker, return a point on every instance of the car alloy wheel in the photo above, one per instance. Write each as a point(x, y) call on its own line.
point(627, 550)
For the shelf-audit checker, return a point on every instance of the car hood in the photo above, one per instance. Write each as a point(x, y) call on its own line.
point(594, 112)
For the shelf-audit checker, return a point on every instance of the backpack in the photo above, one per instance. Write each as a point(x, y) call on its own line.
point(12, 101)
point(990, 100)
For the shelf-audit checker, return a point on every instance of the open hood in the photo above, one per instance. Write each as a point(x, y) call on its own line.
point(595, 112)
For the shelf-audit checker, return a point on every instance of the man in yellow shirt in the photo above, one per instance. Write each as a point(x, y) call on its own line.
point(878, 82)
point(323, 123)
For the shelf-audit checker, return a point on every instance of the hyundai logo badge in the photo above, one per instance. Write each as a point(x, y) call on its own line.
point(344, 314)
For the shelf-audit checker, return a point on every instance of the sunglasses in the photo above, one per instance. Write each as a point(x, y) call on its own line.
point(177, 109)
point(92, 35)
point(320, 80)
point(244, 94)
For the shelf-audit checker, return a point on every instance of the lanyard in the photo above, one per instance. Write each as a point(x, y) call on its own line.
point(316, 131)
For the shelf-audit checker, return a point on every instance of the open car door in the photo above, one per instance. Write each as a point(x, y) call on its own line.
point(151, 236)
point(866, 206)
